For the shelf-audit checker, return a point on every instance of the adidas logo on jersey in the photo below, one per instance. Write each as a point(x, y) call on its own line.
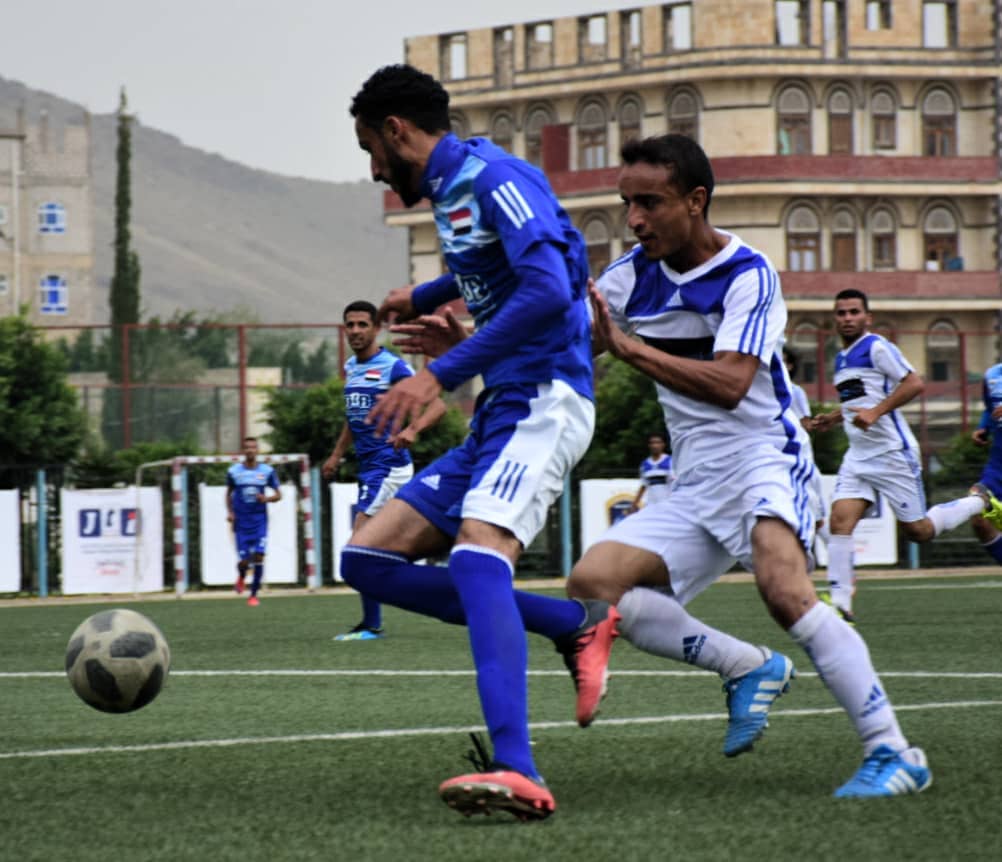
point(432, 481)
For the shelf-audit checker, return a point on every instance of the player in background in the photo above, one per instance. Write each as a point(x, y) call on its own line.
point(709, 315)
point(247, 484)
point(874, 380)
point(384, 463)
point(521, 266)
point(987, 525)
point(656, 473)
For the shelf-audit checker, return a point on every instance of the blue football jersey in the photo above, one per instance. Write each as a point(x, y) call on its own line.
point(364, 382)
point(992, 394)
point(494, 213)
point(243, 484)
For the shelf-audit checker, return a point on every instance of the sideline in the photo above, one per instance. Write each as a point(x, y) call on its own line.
point(329, 591)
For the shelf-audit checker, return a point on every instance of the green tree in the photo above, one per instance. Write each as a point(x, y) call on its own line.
point(41, 422)
point(626, 412)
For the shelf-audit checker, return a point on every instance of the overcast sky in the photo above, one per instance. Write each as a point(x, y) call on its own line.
point(263, 82)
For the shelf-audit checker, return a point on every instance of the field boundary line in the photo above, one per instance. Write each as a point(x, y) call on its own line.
point(362, 735)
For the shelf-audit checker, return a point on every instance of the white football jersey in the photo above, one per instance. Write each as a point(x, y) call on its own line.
point(865, 373)
point(732, 302)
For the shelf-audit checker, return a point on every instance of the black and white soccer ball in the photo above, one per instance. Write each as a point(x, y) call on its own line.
point(117, 660)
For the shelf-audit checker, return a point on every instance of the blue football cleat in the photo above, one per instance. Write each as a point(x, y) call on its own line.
point(749, 698)
point(360, 633)
point(886, 772)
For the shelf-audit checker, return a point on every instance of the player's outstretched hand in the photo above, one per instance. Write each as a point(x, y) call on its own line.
point(430, 334)
point(403, 403)
point(405, 439)
point(330, 467)
point(604, 333)
point(397, 305)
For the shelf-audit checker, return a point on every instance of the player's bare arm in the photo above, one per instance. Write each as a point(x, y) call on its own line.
point(330, 466)
point(273, 497)
point(724, 381)
point(909, 388)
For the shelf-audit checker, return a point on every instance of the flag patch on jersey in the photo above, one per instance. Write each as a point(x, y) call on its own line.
point(373, 374)
point(461, 221)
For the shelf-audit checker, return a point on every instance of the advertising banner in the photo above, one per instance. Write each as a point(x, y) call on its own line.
point(218, 549)
point(603, 502)
point(875, 537)
point(344, 496)
point(10, 541)
point(101, 553)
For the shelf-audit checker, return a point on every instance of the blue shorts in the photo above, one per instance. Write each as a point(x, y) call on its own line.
point(991, 476)
point(524, 440)
point(375, 487)
point(251, 542)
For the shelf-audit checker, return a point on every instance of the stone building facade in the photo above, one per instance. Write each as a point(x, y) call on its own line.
point(856, 143)
point(46, 218)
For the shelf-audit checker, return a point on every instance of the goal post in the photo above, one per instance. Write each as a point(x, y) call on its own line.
point(179, 507)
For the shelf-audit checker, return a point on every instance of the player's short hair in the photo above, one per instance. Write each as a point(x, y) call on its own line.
point(660, 435)
point(853, 293)
point(361, 305)
point(250, 439)
point(402, 91)
point(687, 164)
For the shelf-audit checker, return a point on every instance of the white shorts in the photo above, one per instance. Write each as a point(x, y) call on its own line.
point(895, 475)
point(394, 480)
point(705, 524)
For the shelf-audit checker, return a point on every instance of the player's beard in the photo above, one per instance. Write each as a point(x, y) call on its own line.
point(401, 180)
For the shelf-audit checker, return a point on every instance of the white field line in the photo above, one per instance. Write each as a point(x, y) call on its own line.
point(349, 736)
point(902, 674)
point(979, 585)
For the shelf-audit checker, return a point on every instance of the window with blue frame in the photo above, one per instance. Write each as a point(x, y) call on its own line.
point(51, 218)
point(54, 295)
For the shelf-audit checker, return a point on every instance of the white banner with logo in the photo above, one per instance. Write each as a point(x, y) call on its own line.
point(603, 502)
point(10, 541)
point(875, 539)
point(344, 496)
point(101, 553)
point(218, 547)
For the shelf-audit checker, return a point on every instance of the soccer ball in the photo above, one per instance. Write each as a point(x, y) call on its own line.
point(117, 660)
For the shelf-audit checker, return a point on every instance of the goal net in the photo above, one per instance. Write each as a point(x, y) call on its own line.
point(202, 539)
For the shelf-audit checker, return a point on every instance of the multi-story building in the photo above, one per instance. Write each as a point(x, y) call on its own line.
point(46, 218)
point(857, 144)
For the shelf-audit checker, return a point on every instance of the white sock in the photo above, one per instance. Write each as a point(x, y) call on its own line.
point(843, 662)
point(841, 575)
point(949, 516)
point(658, 624)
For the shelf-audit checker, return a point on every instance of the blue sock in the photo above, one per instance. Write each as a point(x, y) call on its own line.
point(994, 547)
point(500, 653)
point(390, 578)
point(372, 613)
point(258, 575)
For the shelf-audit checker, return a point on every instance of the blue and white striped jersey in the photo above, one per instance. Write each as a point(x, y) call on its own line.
point(243, 484)
point(496, 213)
point(732, 302)
point(363, 382)
point(656, 477)
point(866, 372)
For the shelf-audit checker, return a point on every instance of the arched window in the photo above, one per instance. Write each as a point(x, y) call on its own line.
point(630, 116)
point(844, 241)
point(598, 241)
point(803, 240)
point(942, 351)
point(460, 125)
point(683, 114)
point(939, 124)
point(503, 131)
point(840, 122)
point(592, 128)
point(794, 122)
point(51, 217)
point(534, 122)
point(884, 240)
point(804, 338)
point(939, 229)
point(884, 120)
